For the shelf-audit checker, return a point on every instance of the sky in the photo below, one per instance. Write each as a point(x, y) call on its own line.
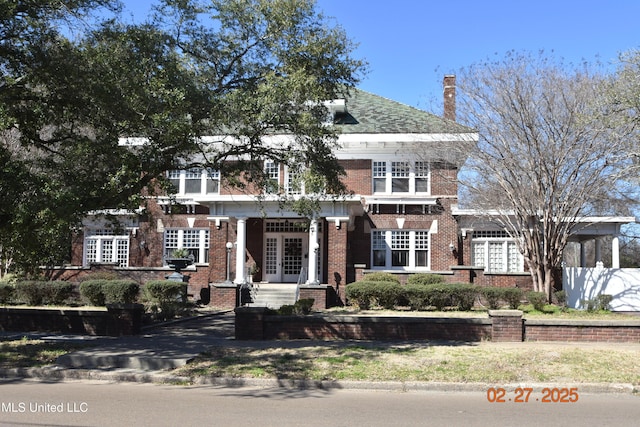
point(411, 44)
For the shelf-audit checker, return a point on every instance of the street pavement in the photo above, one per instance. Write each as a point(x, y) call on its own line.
point(151, 356)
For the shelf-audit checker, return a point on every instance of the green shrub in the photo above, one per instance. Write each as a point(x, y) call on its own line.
point(513, 297)
point(6, 293)
point(537, 299)
point(165, 290)
point(302, 306)
point(120, 291)
point(493, 296)
point(359, 293)
point(463, 295)
point(366, 293)
point(599, 303)
point(424, 279)
point(561, 298)
point(100, 275)
point(34, 292)
point(417, 296)
point(92, 291)
point(167, 298)
point(439, 295)
point(381, 277)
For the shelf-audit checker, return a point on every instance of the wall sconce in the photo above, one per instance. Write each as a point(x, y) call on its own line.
point(218, 224)
point(452, 247)
point(337, 224)
point(143, 245)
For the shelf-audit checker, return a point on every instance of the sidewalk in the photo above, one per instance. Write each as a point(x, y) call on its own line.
point(149, 358)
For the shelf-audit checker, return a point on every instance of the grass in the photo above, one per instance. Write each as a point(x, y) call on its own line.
point(25, 352)
point(482, 362)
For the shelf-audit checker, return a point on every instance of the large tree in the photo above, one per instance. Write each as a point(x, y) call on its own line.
point(546, 154)
point(240, 68)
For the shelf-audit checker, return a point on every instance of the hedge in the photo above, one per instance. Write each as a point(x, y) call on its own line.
point(381, 277)
point(424, 279)
point(100, 292)
point(367, 293)
point(35, 292)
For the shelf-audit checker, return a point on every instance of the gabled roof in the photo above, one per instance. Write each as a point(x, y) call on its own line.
point(369, 113)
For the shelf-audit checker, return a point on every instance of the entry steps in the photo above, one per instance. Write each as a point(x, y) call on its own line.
point(273, 295)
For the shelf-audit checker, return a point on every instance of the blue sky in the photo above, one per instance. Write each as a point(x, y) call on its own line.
point(411, 44)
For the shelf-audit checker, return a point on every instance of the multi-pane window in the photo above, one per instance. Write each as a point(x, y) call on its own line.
point(294, 185)
point(400, 249)
point(496, 252)
point(379, 177)
point(421, 170)
point(195, 181)
point(400, 177)
point(194, 240)
point(272, 175)
point(104, 246)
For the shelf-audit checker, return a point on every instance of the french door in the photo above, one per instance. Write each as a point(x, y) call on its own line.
point(286, 254)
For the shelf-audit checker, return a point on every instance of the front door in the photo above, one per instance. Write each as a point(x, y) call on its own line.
point(285, 256)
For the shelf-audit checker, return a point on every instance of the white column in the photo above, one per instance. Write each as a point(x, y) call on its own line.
point(312, 276)
point(241, 246)
point(615, 252)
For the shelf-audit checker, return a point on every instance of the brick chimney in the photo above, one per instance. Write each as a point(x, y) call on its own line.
point(449, 84)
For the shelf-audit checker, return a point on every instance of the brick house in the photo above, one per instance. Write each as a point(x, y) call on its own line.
point(401, 217)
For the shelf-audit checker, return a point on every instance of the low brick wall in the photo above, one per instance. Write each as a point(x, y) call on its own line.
point(252, 323)
point(115, 320)
point(582, 330)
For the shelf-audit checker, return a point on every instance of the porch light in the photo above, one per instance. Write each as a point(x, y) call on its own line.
point(452, 247)
point(229, 246)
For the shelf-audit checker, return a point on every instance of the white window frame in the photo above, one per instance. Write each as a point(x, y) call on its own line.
point(195, 240)
point(104, 246)
point(386, 173)
point(272, 175)
point(413, 242)
point(180, 177)
point(496, 252)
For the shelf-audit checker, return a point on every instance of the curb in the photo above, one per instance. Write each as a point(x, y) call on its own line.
point(57, 373)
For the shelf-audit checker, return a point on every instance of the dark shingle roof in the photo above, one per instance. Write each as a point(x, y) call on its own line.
point(369, 113)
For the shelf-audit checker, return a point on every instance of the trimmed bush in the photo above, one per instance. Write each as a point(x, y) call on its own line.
point(417, 296)
point(165, 290)
point(367, 293)
point(6, 293)
point(463, 295)
point(359, 293)
point(101, 292)
point(380, 277)
point(34, 292)
point(537, 299)
point(302, 306)
point(120, 291)
point(92, 291)
point(439, 295)
point(493, 296)
point(167, 297)
point(424, 279)
point(513, 297)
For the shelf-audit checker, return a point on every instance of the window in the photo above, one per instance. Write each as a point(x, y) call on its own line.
point(195, 181)
point(104, 246)
point(272, 175)
point(194, 240)
point(496, 252)
point(400, 177)
point(294, 185)
point(400, 249)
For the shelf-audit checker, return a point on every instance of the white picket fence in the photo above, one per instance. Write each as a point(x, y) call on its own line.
point(587, 283)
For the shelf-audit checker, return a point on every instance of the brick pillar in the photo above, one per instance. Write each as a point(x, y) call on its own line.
point(337, 258)
point(506, 325)
point(250, 323)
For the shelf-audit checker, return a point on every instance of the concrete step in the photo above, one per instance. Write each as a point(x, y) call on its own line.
point(273, 295)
